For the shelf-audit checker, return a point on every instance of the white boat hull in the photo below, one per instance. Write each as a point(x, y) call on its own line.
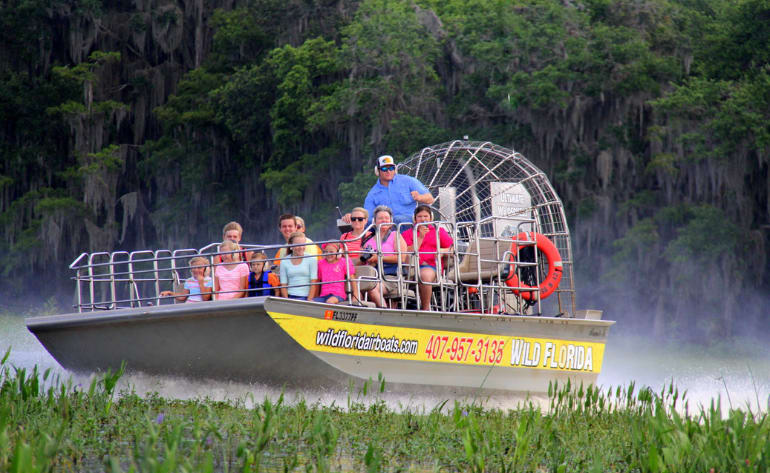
point(310, 345)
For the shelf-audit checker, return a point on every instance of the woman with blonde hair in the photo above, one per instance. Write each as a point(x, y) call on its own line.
point(356, 237)
point(300, 224)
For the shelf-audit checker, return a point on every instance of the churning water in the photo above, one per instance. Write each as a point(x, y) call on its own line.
point(738, 374)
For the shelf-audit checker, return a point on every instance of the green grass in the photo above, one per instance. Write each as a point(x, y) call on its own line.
point(49, 425)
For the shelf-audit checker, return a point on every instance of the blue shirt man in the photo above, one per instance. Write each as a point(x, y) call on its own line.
point(400, 193)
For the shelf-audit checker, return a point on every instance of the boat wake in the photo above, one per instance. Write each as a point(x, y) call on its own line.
point(250, 394)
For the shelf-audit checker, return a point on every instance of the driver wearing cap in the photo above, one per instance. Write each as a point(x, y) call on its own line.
point(399, 192)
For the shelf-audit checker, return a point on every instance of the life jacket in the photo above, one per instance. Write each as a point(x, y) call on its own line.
point(261, 286)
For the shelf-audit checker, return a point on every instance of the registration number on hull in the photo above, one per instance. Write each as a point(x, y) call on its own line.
point(350, 338)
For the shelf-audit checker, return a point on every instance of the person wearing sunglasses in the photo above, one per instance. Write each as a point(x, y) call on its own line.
point(356, 237)
point(399, 192)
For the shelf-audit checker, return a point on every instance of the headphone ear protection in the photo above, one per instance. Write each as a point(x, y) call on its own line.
point(377, 170)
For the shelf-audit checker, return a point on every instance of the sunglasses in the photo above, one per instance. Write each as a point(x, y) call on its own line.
point(388, 168)
point(358, 219)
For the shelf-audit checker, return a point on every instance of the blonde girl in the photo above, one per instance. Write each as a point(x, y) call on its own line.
point(231, 277)
point(196, 288)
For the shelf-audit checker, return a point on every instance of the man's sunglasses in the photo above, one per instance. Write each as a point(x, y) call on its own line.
point(358, 219)
point(388, 168)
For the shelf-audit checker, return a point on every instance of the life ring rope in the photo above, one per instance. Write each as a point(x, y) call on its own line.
point(555, 267)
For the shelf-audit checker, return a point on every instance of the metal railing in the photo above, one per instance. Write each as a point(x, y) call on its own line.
point(471, 276)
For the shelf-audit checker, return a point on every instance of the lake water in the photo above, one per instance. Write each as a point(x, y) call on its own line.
point(738, 373)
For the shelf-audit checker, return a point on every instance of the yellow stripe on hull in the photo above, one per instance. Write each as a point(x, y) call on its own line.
point(428, 345)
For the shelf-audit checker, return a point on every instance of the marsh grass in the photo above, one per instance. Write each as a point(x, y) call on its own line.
point(50, 425)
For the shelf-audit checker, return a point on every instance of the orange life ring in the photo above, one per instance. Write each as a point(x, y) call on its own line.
point(549, 284)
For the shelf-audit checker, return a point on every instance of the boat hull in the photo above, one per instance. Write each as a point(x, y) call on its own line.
point(309, 345)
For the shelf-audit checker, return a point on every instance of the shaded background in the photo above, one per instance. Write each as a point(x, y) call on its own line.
point(152, 123)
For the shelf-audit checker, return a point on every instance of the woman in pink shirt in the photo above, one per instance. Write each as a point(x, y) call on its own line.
point(231, 277)
point(423, 237)
point(392, 250)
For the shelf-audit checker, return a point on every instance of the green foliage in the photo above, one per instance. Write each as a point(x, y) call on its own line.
point(702, 235)
point(23, 248)
point(244, 35)
point(182, 216)
point(106, 160)
point(353, 193)
point(725, 117)
point(578, 427)
point(288, 183)
point(735, 43)
point(23, 26)
point(637, 243)
point(243, 103)
point(191, 105)
point(706, 236)
point(86, 71)
point(53, 205)
point(386, 38)
point(410, 133)
point(302, 75)
point(389, 56)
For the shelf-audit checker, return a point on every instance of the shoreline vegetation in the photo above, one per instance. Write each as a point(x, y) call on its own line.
point(47, 424)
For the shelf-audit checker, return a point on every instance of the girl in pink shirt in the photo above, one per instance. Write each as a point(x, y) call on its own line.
point(231, 277)
point(332, 273)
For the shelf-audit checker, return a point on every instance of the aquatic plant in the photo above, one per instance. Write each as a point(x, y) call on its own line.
point(49, 425)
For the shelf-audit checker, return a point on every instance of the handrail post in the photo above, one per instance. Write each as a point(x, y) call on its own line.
point(79, 289)
point(113, 297)
point(479, 282)
point(91, 279)
point(156, 276)
point(132, 290)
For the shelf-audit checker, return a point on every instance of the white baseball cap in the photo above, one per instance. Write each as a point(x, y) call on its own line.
point(385, 160)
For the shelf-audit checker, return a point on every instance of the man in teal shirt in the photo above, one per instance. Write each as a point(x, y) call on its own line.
point(399, 192)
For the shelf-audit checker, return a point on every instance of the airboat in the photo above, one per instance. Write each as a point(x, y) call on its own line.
point(503, 315)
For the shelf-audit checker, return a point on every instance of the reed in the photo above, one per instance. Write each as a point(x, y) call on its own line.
point(49, 425)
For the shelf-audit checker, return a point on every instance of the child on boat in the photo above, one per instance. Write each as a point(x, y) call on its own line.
point(261, 279)
point(333, 275)
point(231, 277)
point(196, 288)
